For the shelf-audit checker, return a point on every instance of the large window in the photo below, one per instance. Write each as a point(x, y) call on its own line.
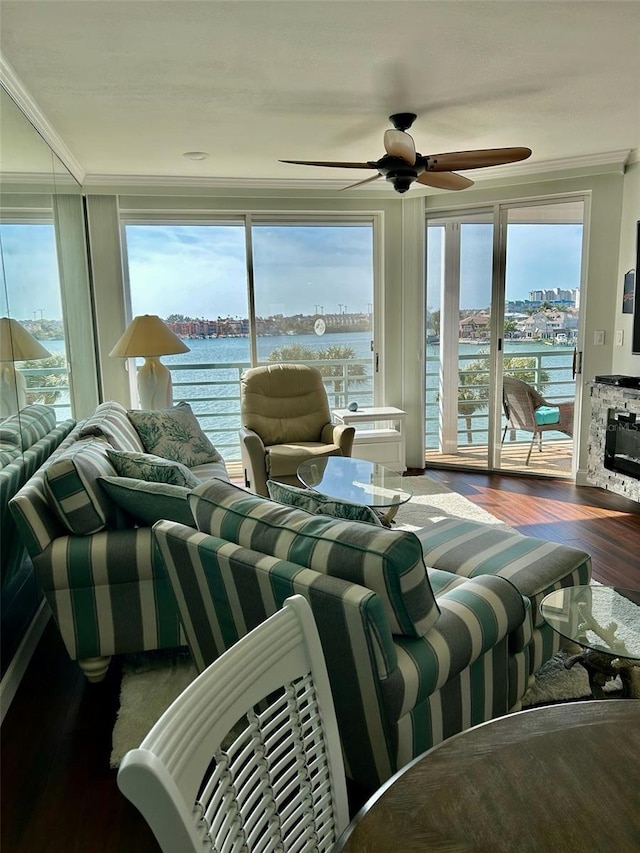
point(30, 295)
point(253, 291)
point(314, 302)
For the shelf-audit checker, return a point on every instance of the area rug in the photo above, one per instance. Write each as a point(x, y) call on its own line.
point(432, 501)
point(152, 680)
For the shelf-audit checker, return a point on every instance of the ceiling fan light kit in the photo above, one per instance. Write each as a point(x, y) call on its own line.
point(402, 166)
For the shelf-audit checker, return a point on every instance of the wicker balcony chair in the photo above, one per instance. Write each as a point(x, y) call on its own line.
point(521, 402)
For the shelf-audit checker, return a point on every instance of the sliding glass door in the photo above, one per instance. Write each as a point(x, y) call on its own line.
point(313, 296)
point(503, 299)
point(459, 314)
point(252, 290)
point(540, 332)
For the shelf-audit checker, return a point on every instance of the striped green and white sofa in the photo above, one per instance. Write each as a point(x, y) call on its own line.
point(414, 654)
point(88, 533)
point(536, 566)
point(27, 439)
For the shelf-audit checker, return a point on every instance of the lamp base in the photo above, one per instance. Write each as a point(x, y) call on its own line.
point(13, 391)
point(154, 385)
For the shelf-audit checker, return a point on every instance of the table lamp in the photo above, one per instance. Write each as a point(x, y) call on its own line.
point(148, 337)
point(16, 344)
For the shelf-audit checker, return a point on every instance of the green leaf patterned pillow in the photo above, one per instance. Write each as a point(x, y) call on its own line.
point(153, 469)
point(319, 504)
point(174, 434)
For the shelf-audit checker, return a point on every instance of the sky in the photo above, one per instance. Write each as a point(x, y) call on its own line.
point(539, 257)
point(200, 270)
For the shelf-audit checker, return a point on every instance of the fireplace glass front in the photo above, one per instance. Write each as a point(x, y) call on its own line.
point(622, 443)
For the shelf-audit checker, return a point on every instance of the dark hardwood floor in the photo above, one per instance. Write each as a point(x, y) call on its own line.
point(58, 793)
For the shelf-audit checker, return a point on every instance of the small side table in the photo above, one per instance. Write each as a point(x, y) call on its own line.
point(386, 442)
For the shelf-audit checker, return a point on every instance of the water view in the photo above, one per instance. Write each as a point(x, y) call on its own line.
point(208, 377)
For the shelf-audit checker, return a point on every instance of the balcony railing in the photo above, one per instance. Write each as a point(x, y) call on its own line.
point(213, 391)
point(542, 362)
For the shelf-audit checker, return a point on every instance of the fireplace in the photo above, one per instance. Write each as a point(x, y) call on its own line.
point(622, 443)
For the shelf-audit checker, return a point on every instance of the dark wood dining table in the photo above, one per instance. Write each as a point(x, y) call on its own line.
point(559, 778)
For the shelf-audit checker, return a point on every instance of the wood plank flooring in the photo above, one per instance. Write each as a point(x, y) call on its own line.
point(58, 793)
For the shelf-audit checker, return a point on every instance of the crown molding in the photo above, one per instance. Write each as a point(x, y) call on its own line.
point(607, 161)
point(16, 89)
point(209, 182)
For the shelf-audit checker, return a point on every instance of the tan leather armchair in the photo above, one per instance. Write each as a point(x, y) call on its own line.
point(285, 421)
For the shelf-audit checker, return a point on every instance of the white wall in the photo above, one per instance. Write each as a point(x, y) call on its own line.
point(623, 360)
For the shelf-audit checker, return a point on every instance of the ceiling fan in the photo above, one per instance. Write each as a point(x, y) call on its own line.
point(402, 166)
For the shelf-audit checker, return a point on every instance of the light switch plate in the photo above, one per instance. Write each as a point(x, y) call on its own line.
point(598, 338)
point(619, 337)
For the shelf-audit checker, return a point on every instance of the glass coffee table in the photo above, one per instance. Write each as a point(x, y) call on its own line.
point(605, 622)
point(357, 481)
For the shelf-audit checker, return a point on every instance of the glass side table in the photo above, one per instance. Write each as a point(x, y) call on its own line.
point(358, 481)
point(605, 622)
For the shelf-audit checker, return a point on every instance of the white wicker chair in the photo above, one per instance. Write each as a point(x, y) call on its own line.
point(520, 401)
point(248, 756)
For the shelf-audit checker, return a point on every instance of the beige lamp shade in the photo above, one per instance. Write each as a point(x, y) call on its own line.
point(16, 344)
point(147, 335)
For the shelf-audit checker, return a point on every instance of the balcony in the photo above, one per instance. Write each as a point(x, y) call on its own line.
point(213, 391)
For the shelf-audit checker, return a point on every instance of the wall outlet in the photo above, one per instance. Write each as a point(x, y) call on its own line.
point(619, 337)
point(598, 338)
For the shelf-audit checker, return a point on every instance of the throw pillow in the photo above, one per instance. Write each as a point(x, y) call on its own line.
point(110, 421)
point(174, 434)
point(154, 469)
point(547, 415)
point(71, 482)
point(147, 502)
point(319, 504)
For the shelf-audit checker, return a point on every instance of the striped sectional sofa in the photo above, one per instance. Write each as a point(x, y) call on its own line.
point(92, 549)
point(27, 440)
point(415, 653)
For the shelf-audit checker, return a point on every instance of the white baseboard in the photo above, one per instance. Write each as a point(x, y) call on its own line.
point(18, 666)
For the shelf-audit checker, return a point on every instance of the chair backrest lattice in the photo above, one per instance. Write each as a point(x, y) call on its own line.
point(248, 757)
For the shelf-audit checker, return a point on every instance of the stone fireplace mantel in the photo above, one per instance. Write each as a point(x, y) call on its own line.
point(603, 398)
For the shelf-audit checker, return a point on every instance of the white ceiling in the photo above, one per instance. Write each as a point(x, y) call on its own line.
point(129, 86)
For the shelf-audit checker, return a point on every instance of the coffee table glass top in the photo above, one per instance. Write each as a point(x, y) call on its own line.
point(355, 480)
point(603, 618)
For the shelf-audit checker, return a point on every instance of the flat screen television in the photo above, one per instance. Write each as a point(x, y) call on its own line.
point(635, 346)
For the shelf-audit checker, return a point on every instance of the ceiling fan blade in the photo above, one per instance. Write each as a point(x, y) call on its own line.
point(331, 163)
point(397, 143)
point(445, 180)
point(475, 159)
point(360, 183)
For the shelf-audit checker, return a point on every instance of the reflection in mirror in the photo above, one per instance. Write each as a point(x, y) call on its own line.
point(30, 300)
point(16, 345)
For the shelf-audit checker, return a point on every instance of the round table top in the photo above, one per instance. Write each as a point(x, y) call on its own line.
point(603, 618)
point(355, 480)
point(558, 778)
